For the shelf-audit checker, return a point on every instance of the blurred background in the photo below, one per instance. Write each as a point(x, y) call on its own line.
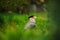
point(23, 6)
point(14, 15)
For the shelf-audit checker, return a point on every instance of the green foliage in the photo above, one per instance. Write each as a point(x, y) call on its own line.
point(14, 27)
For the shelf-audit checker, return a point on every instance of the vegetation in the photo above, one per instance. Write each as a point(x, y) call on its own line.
point(13, 27)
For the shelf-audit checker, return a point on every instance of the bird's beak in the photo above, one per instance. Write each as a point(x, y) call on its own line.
point(35, 17)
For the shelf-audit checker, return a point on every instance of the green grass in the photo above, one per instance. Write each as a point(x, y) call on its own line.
point(14, 27)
